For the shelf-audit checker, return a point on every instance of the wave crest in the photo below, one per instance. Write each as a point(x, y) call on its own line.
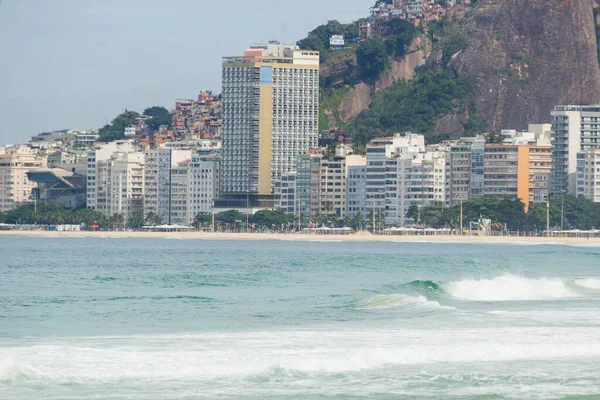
point(509, 288)
point(588, 283)
point(385, 301)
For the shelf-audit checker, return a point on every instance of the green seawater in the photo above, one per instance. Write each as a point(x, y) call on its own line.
point(102, 318)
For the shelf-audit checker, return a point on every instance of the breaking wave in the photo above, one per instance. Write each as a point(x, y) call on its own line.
point(505, 287)
point(385, 301)
point(588, 283)
point(509, 288)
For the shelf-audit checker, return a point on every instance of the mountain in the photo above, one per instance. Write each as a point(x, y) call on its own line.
point(526, 56)
point(489, 66)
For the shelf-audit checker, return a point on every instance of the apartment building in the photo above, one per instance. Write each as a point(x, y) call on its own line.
point(285, 193)
point(458, 173)
point(574, 129)
point(270, 115)
point(356, 187)
point(194, 185)
point(416, 179)
point(100, 161)
point(332, 196)
point(125, 184)
point(158, 164)
point(517, 172)
point(307, 184)
point(588, 175)
point(204, 177)
point(15, 187)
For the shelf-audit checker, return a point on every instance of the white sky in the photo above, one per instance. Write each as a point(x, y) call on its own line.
point(79, 63)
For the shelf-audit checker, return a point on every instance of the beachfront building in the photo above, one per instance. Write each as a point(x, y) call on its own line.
point(270, 116)
point(125, 185)
point(204, 174)
point(588, 175)
point(356, 189)
point(415, 177)
point(517, 172)
point(459, 166)
point(157, 179)
point(100, 160)
point(574, 129)
point(333, 186)
point(15, 187)
point(307, 184)
point(193, 187)
point(285, 193)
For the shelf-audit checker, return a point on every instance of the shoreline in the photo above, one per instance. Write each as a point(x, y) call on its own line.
point(359, 237)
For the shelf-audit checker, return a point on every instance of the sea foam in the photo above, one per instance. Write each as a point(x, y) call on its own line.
point(211, 356)
point(589, 283)
point(509, 288)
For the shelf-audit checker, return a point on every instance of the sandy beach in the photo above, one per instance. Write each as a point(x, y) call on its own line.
point(358, 237)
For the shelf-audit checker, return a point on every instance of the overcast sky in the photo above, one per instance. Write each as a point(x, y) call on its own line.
point(78, 63)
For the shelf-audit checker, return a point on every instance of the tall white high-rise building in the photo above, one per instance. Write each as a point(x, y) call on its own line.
point(270, 115)
point(574, 129)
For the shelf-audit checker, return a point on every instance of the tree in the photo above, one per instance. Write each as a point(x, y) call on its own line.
point(116, 220)
point(116, 129)
point(229, 217)
point(413, 213)
point(358, 221)
point(152, 219)
point(87, 216)
point(328, 207)
point(269, 218)
point(399, 34)
point(136, 221)
point(158, 116)
point(372, 58)
point(202, 219)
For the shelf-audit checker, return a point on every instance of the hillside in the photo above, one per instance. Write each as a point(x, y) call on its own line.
point(486, 67)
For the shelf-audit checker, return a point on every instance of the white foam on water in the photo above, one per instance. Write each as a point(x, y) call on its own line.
point(579, 316)
point(589, 283)
point(509, 288)
point(212, 356)
point(385, 301)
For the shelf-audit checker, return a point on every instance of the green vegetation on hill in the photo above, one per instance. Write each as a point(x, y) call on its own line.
point(413, 105)
point(158, 116)
point(372, 58)
point(318, 39)
point(116, 129)
point(331, 99)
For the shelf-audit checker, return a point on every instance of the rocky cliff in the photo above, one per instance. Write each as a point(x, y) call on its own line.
point(525, 56)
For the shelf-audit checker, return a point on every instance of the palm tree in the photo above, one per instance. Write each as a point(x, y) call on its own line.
point(152, 219)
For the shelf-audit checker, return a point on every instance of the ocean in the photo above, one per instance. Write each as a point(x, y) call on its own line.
point(102, 318)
